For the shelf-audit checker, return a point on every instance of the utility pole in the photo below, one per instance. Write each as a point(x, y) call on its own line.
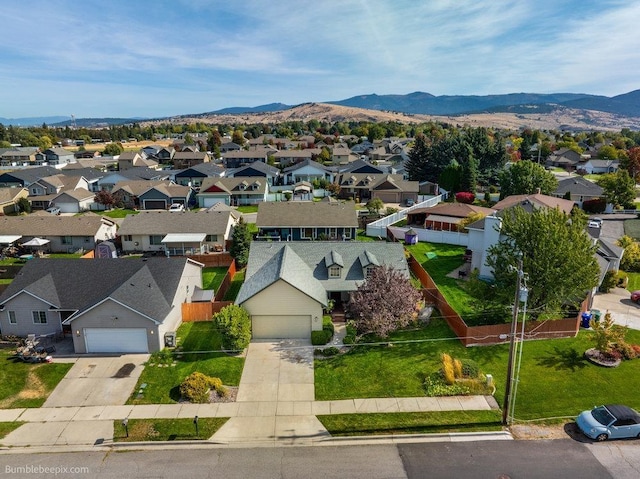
point(512, 344)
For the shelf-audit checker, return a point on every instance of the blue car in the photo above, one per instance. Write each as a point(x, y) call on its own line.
point(612, 421)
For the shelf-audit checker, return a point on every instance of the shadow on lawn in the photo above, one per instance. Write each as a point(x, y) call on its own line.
point(564, 359)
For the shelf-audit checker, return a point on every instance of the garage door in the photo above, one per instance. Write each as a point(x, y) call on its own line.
point(281, 327)
point(155, 205)
point(388, 197)
point(116, 340)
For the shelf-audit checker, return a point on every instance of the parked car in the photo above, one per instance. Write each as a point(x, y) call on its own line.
point(54, 210)
point(409, 202)
point(176, 207)
point(594, 224)
point(635, 296)
point(613, 421)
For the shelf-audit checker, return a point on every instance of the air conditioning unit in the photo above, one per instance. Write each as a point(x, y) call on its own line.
point(170, 339)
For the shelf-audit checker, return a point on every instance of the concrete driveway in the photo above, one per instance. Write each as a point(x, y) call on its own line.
point(98, 381)
point(618, 302)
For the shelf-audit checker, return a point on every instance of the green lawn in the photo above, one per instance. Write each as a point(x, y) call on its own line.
point(65, 255)
point(236, 283)
point(198, 341)
point(27, 385)
point(247, 209)
point(7, 427)
point(361, 235)
point(212, 277)
point(634, 281)
point(447, 258)
point(166, 429)
point(632, 228)
point(411, 423)
point(555, 379)
point(119, 213)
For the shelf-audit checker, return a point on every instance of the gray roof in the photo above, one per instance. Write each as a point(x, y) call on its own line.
point(208, 168)
point(164, 222)
point(51, 225)
point(578, 186)
point(306, 213)
point(30, 174)
point(145, 285)
point(239, 185)
point(313, 255)
point(303, 163)
point(140, 173)
point(268, 170)
point(285, 265)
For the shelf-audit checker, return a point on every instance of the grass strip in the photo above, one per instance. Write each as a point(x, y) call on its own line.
point(7, 427)
point(166, 429)
point(411, 422)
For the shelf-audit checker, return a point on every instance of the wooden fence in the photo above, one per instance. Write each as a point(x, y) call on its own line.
point(226, 282)
point(204, 311)
point(212, 259)
point(495, 333)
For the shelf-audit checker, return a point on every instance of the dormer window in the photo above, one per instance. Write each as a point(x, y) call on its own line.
point(335, 271)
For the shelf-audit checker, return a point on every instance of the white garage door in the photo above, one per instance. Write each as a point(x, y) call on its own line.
point(116, 340)
point(281, 327)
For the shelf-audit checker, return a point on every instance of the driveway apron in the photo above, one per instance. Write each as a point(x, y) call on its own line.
point(275, 396)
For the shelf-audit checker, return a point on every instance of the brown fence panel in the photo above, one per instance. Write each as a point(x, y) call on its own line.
point(218, 305)
point(226, 282)
point(197, 311)
point(212, 259)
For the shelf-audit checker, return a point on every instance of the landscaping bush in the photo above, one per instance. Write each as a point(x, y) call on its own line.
point(235, 327)
point(609, 281)
point(350, 337)
point(470, 368)
point(196, 387)
point(320, 338)
point(435, 385)
point(330, 351)
point(465, 197)
point(448, 373)
point(597, 205)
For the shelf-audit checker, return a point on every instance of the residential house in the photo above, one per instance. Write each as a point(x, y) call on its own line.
point(307, 170)
point(135, 159)
point(291, 157)
point(86, 154)
point(89, 175)
point(74, 200)
point(596, 167)
point(362, 166)
point(270, 173)
point(161, 196)
point(106, 305)
point(194, 175)
point(46, 190)
point(444, 216)
point(341, 155)
point(65, 233)
point(180, 233)
point(287, 221)
point(108, 181)
point(389, 188)
point(288, 283)
point(9, 198)
point(238, 158)
point(229, 146)
point(578, 189)
point(187, 159)
point(165, 155)
point(19, 155)
point(564, 158)
point(55, 157)
point(23, 178)
point(250, 190)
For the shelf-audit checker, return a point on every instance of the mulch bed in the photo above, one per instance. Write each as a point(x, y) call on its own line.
point(596, 357)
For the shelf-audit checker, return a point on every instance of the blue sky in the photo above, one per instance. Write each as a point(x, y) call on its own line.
point(151, 58)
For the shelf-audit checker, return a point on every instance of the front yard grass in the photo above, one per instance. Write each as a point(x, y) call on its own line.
point(119, 213)
point(632, 228)
point(166, 429)
point(25, 384)
point(7, 427)
point(411, 422)
point(247, 208)
point(447, 258)
point(212, 277)
point(634, 281)
point(555, 379)
point(201, 344)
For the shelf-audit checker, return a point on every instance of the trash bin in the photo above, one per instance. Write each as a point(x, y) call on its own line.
point(586, 319)
point(596, 314)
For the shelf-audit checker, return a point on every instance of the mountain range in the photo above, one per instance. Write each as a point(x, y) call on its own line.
point(416, 103)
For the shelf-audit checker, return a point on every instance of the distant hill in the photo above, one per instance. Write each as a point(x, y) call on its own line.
point(97, 122)
point(238, 110)
point(627, 104)
point(32, 121)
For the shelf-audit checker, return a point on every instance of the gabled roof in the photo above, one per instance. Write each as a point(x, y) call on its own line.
point(10, 194)
point(207, 169)
point(50, 225)
point(536, 200)
point(191, 155)
point(361, 165)
point(170, 190)
point(306, 213)
point(145, 285)
point(457, 210)
point(577, 185)
point(89, 174)
point(28, 175)
point(303, 163)
point(314, 253)
point(78, 194)
point(163, 222)
point(139, 173)
point(333, 258)
point(260, 154)
point(234, 185)
point(258, 166)
point(285, 265)
point(138, 187)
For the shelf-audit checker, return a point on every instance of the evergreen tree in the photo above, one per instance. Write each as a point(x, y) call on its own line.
point(241, 241)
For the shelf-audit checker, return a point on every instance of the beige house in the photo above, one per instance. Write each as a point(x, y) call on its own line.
point(9, 198)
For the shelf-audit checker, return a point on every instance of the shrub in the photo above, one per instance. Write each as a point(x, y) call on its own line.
point(609, 281)
point(434, 385)
point(626, 350)
point(493, 189)
point(447, 369)
point(196, 387)
point(320, 338)
point(470, 368)
point(350, 337)
point(597, 205)
point(235, 327)
point(465, 197)
point(457, 368)
point(330, 351)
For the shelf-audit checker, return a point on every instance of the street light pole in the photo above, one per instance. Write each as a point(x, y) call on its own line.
point(512, 344)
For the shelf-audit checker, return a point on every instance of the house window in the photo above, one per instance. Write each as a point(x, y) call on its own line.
point(333, 233)
point(155, 240)
point(211, 238)
point(12, 317)
point(39, 317)
point(307, 233)
point(334, 271)
point(67, 240)
point(127, 238)
point(347, 233)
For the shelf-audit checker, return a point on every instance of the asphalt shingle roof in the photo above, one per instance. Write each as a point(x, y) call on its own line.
point(50, 225)
point(145, 285)
point(164, 222)
point(303, 213)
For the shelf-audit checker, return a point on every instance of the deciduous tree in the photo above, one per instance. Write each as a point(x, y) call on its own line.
point(234, 324)
point(619, 188)
point(385, 302)
point(557, 254)
point(105, 198)
point(525, 178)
